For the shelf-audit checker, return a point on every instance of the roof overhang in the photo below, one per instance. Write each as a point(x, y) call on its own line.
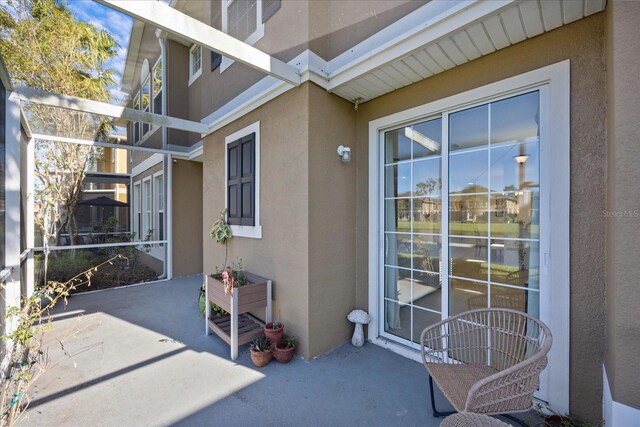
point(131, 60)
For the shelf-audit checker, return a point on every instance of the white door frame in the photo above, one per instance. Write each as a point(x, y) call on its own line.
point(553, 83)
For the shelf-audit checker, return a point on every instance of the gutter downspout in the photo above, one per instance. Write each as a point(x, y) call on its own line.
point(167, 166)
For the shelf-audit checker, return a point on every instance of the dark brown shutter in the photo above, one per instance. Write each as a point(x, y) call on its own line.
point(269, 7)
point(233, 183)
point(216, 60)
point(248, 180)
point(241, 181)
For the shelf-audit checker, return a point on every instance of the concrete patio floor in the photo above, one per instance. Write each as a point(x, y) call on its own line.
point(139, 356)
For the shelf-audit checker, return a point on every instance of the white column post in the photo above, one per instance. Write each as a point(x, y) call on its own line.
point(267, 315)
point(29, 215)
point(234, 324)
point(168, 160)
point(207, 304)
point(12, 203)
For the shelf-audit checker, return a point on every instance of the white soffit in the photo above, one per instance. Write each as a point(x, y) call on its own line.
point(445, 38)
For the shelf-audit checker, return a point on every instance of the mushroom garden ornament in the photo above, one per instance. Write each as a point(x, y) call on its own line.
point(359, 317)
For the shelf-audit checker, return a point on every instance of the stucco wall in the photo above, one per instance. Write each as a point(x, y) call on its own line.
point(336, 25)
point(582, 43)
point(332, 209)
point(187, 218)
point(623, 244)
point(282, 253)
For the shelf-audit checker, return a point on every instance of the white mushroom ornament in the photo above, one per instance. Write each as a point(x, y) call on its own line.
point(359, 317)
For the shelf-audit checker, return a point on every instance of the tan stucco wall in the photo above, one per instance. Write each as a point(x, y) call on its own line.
point(623, 223)
point(336, 25)
point(582, 43)
point(282, 253)
point(187, 217)
point(332, 210)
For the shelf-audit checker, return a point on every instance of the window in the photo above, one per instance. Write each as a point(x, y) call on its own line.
point(146, 102)
point(146, 208)
point(243, 181)
point(137, 213)
point(195, 63)
point(242, 19)
point(468, 200)
point(136, 125)
point(158, 187)
point(157, 87)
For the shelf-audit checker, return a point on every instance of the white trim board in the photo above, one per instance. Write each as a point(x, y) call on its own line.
point(146, 164)
point(553, 83)
point(104, 109)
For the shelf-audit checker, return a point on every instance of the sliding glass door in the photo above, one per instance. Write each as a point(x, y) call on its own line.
point(460, 215)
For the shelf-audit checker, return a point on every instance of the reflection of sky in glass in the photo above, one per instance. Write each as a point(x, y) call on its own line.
point(398, 180)
point(468, 172)
point(515, 119)
point(469, 128)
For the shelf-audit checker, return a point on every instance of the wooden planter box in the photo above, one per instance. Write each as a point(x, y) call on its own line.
point(239, 327)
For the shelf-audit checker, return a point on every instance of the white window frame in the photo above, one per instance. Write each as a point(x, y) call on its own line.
point(553, 83)
point(147, 211)
point(146, 80)
point(137, 208)
point(250, 231)
point(194, 74)
point(137, 137)
point(154, 92)
point(157, 251)
point(251, 40)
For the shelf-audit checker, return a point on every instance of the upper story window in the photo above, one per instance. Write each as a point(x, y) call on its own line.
point(195, 63)
point(157, 87)
point(145, 95)
point(136, 125)
point(243, 181)
point(244, 20)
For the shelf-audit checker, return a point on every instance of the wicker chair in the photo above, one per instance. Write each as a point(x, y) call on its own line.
point(486, 361)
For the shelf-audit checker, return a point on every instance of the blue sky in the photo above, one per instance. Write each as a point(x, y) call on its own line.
point(118, 24)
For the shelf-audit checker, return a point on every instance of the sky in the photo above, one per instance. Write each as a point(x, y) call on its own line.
point(118, 24)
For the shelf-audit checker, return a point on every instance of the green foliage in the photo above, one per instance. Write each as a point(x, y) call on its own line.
point(220, 230)
point(237, 271)
point(261, 344)
point(45, 47)
point(288, 341)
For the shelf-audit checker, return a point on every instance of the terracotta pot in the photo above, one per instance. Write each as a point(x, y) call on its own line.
point(261, 358)
point(283, 355)
point(274, 335)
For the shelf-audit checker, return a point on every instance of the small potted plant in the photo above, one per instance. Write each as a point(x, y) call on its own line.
point(273, 331)
point(283, 351)
point(261, 351)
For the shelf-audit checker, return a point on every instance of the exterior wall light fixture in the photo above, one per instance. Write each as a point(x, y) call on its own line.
point(521, 158)
point(344, 153)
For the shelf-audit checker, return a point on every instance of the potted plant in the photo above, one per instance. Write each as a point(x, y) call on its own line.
point(273, 331)
point(283, 351)
point(261, 351)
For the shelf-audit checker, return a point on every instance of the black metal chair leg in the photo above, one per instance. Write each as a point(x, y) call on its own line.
point(436, 413)
point(512, 418)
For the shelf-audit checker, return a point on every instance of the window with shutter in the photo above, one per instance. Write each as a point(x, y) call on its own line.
point(241, 181)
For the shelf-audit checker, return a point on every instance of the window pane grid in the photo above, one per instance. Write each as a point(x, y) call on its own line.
point(413, 286)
